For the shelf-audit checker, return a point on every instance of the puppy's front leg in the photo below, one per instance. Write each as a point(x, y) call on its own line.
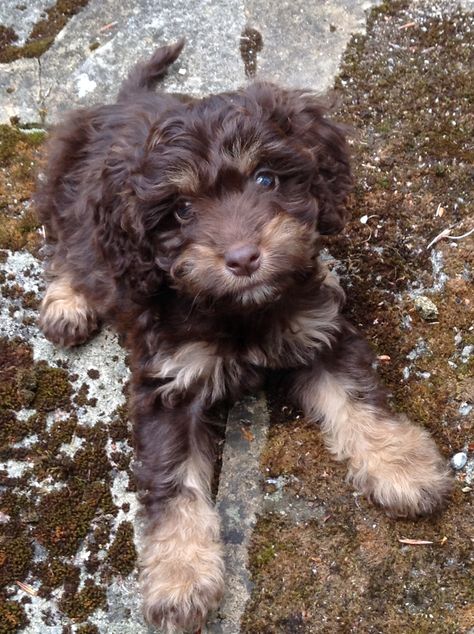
point(181, 560)
point(392, 461)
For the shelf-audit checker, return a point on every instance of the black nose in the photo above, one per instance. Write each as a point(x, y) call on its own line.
point(243, 259)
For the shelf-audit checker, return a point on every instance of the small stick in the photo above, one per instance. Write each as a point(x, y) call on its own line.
point(106, 27)
point(446, 233)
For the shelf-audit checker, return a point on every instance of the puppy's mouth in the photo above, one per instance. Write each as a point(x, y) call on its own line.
point(257, 289)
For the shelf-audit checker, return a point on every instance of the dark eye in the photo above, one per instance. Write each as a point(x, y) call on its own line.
point(266, 179)
point(184, 211)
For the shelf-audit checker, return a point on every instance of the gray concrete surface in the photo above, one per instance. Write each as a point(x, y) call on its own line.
point(239, 500)
point(23, 16)
point(302, 46)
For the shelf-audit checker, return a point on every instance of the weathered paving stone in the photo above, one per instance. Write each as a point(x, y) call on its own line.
point(98, 45)
point(239, 499)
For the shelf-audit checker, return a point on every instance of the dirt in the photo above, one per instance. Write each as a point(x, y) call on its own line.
point(405, 89)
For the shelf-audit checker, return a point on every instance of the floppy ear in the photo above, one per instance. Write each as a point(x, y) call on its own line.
point(326, 140)
point(121, 234)
point(304, 120)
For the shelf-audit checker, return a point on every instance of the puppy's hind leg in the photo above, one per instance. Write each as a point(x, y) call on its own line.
point(67, 318)
point(392, 461)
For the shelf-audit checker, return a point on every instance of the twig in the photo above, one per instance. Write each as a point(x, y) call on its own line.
point(407, 25)
point(446, 233)
point(27, 588)
point(464, 235)
point(106, 27)
point(414, 542)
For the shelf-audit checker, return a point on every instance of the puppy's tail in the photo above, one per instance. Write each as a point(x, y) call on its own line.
point(145, 75)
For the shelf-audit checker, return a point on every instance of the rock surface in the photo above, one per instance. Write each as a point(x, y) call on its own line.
point(94, 51)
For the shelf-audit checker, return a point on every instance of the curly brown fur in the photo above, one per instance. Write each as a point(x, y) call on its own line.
point(193, 227)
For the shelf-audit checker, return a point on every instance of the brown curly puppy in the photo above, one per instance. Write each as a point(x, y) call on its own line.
point(192, 226)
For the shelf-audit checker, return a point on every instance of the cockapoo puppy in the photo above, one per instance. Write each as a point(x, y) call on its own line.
point(193, 226)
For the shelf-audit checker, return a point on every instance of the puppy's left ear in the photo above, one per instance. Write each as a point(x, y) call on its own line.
point(326, 140)
point(303, 119)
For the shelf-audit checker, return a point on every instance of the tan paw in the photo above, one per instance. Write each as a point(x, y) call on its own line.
point(182, 575)
point(66, 318)
point(404, 472)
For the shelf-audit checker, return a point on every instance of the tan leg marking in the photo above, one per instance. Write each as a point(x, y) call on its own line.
point(66, 318)
point(182, 575)
point(392, 461)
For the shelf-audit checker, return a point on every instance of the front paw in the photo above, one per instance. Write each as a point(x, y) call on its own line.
point(66, 318)
point(182, 577)
point(403, 472)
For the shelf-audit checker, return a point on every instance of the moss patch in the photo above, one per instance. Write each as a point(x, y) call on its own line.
point(347, 571)
point(19, 157)
point(12, 617)
point(79, 606)
point(61, 499)
point(42, 34)
point(122, 555)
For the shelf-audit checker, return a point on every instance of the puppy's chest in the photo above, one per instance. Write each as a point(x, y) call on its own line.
point(235, 358)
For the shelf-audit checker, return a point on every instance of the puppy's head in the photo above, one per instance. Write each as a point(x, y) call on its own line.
point(233, 191)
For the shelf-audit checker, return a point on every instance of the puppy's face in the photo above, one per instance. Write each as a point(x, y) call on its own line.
point(234, 190)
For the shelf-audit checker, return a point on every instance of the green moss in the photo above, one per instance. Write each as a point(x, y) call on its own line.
point(18, 233)
point(53, 388)
point(101, 535)
point(7, 36)
point(64, 516)
point(122, 555)
point(87, 629)
point(81, 397)
point(85, 602)
point(387, 9)
point(264, 556)
point(19, 152)
point(15, 558)
point(17, 380)
point(9, 139)
point(119, 428)
point(42, 34)
point(12, 617)
point(56, 573)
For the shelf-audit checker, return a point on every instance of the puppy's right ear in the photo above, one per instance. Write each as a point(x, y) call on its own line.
point(325, 139)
